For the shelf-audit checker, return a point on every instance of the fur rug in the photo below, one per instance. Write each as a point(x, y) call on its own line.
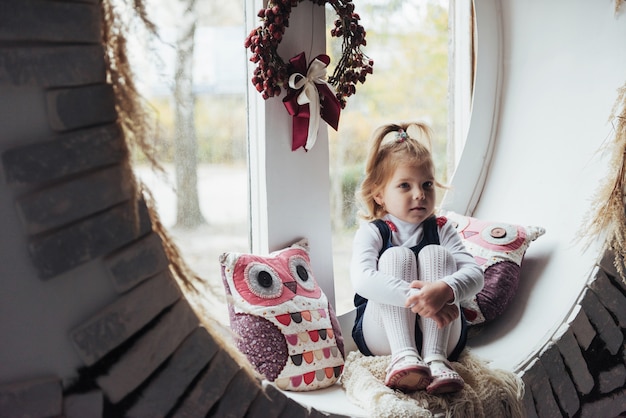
point(488, 392)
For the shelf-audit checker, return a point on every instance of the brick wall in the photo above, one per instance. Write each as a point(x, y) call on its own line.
point(581, 371)
point(65, 192)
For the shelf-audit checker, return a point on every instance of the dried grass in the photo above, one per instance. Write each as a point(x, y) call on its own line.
point(135, 118)
point(608, 216)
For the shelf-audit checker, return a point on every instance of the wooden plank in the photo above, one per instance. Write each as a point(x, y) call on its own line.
point(52, 66)
point(294, 410)
point(528, 400)
point(149, 352)
point(81, 1)
point(49, 21)
point(607, 263)
point(614, 378)
point(71, 201)
point(573, 358)
point(269, 402)
point(536, 379)
point(560, 380)
point(86, 240)
point(610, 296)
point(66, 155)
point(238, 396)
point(581, 327)
point(162, 393)
point(78, 1)
point(314, 413)
point(613, 405)
point(136, 262)
point(602, 321)
point(33, 398)
point(81, 405)
point(123, 318)
point(210, 386)
point(80, 107)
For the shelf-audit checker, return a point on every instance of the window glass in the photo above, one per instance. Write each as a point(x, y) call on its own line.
point(202, 195)
point(408, 41)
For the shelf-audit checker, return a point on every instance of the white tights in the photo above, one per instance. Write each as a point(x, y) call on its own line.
point(389, 329)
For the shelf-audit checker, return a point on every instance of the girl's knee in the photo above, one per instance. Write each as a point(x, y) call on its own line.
point(400, 262)
point(395, 254)
point(434, 251)
point(436, 259)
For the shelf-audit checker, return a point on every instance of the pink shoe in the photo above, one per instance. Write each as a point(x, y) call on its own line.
point(444, 379)
point(408, 374)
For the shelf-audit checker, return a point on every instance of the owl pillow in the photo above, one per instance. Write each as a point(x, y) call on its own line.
point(498, 248)
point(283, 322)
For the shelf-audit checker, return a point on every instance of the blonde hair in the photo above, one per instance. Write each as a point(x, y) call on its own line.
point(392, 145)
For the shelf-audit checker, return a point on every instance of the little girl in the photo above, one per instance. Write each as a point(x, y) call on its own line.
point(409, 268)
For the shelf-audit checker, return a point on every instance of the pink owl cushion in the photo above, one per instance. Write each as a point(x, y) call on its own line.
point(499, 249)
point(283, 322)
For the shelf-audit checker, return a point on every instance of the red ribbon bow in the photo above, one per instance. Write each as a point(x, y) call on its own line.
point(310, 97)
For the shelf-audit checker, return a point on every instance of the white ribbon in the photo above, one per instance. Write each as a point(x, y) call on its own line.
point(316, 74)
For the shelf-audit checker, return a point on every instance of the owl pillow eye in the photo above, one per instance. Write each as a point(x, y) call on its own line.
point(500, 234)
point(301, 271)
point(263, 281)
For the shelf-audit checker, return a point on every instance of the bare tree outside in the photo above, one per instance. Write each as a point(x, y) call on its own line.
point(188, 214)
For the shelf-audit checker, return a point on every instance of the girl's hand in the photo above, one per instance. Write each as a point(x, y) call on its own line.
point(432, 302)
point(446, 315)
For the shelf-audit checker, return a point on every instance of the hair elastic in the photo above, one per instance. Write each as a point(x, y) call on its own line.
point(395, 137)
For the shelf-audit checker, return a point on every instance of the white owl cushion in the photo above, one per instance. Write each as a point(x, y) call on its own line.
point(499, 249)
point(282, 319)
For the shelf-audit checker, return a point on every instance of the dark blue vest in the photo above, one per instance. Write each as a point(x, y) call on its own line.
point(431, 236)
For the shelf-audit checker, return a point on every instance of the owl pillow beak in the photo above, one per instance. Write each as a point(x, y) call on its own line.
point(293, 286)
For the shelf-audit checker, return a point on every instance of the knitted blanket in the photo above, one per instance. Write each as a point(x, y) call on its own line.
point(488, 392)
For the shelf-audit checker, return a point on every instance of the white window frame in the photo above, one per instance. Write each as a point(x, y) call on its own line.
point(289, 190)
point(474, 160)
point(460, 76)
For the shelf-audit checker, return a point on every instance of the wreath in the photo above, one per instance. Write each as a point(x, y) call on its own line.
point(310, 96)
point(272, 74)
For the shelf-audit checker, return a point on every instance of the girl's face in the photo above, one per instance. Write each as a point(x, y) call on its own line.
point(409, 195)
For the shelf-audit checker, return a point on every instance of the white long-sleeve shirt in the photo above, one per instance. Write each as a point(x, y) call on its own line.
point(379, 287)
